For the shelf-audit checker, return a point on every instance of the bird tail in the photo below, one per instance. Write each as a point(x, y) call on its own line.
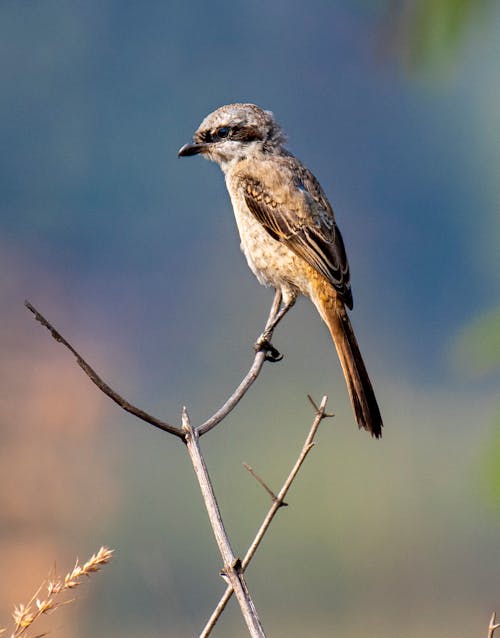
point(358, 382)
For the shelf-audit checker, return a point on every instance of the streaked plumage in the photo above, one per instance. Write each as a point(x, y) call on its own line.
point(288, 230)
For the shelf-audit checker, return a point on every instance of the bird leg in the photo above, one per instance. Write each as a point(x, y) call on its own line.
point(263, 344)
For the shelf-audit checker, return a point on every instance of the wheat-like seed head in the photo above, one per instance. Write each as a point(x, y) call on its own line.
point(25, 615)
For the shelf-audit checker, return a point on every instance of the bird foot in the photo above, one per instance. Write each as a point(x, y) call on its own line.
point(264, 345)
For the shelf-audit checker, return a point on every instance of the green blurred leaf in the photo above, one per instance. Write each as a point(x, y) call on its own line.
point(438, 28)
point(430, 32)
point(492, 463)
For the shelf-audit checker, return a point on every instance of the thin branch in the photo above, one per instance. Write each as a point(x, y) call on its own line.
point(102, 385)
point(493, 625)
point(326, 415)
point(306, 448)
point(215, 419)
point(263, 483)
point(252, 374)
point(232, 566)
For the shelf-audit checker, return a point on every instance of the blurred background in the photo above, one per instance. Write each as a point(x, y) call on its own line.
point(134, 256)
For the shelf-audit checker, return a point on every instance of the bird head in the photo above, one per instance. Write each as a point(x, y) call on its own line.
point(234, 132)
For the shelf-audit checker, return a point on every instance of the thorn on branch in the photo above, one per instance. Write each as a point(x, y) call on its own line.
point(260, 480)
point(277, 502)
point(237, 565)
point(320, 410)
point(187, 429)
point(225, 577)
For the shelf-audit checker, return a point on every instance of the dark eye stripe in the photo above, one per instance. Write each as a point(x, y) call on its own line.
point(247, 134)
point(203, 136)
point(239, 133)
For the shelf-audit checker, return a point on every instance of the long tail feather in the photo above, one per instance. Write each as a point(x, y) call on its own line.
point(358, 382)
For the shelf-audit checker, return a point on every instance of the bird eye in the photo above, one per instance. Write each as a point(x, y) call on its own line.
point(223, 132)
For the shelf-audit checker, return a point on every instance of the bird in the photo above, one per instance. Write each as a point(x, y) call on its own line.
point(288, 231)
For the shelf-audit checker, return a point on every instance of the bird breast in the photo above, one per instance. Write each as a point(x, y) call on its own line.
point(271, 261)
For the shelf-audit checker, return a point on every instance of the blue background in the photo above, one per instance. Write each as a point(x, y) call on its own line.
point(134, 255)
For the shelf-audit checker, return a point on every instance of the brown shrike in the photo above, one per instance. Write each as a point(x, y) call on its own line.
point(288, 231)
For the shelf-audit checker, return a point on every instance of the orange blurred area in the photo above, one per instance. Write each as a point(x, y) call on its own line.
point(50, 429)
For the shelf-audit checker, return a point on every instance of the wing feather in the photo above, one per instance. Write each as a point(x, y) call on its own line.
point(305, 223)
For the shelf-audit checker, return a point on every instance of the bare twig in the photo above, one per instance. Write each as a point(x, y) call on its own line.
point(306, 448)
point(263, 483)
point(102, 385)
point(232, 570)
point(215, 419)
point(493, 625)
point(252, 374)
point(317, 409)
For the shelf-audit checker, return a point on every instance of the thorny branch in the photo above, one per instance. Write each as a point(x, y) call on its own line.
point(232, 571)
point(278, 502)
point(233, 567)
point(263, 483)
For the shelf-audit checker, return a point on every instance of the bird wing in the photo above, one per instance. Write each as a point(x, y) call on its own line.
point(290, 204)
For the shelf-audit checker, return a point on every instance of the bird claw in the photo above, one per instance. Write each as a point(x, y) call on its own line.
point(271, 353)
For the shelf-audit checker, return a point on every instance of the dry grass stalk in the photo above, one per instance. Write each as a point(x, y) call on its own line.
point(25, 615)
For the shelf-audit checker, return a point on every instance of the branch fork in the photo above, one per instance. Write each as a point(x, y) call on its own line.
point(233, 567)
point(493, 626)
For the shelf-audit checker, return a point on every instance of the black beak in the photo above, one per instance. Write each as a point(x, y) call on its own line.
point(191, 149)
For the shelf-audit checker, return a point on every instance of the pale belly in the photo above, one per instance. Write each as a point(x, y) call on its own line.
point(271, 261)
